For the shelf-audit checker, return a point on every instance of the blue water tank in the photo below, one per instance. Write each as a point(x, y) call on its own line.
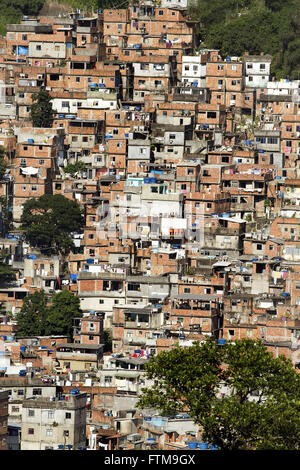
point(30, 141)
point(146, 180)
point(153, 180)
point(221, 341)
point(213, 447)
point(203, 445)
point(193, 445)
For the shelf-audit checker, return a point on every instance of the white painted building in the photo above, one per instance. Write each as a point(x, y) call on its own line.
point(193, 71)
point(257, 70)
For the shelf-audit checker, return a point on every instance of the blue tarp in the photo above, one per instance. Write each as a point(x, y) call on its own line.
point(22, 50)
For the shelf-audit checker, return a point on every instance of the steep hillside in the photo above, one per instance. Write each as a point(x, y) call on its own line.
point(270, 26)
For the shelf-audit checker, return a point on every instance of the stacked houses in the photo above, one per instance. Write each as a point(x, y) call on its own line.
point(190, 189)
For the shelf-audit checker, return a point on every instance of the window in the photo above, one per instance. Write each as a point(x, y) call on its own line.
point(220, 67)
point(259, 246)
point(30, 431)
point(187, 290)
point(30, 412)
point(262, 66)
point(160, 12)
point(101, 301)
point(233, 82)
point(34, 188)
point(50, 414)
point(38, 47)
point(77, 79)
point(66, 433)
point(68, 415)
point(49, 432)
point(234, 67)
point(231, 332)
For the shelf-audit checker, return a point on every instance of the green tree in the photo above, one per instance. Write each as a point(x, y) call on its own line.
point(32, 316)
point(260, 406)
point(65, 307)
point(41, 110)
point(3, 163)
point(107, 341)
point(74, 168)
point(48, 221)
point(7, 275)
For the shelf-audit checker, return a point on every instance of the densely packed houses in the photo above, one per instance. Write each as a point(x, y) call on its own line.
point(191, 190)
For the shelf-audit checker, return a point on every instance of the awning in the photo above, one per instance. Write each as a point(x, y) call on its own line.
point(30, 171)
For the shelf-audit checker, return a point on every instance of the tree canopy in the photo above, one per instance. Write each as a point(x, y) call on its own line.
point(65, 307)
point(32, 316)
point(3, 163)
point(240, 394)
point(48, 221)
point(41, 109)
point(38, 316)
